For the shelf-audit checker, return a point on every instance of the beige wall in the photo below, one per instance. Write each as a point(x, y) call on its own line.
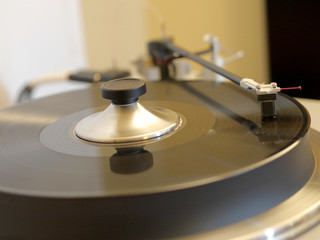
point(122, 29)
point(114, 30)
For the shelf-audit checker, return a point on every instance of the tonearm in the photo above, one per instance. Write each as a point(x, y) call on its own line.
point(164, 51)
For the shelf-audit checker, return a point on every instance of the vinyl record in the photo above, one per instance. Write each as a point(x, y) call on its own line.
point(221, 124)
point(222, 166)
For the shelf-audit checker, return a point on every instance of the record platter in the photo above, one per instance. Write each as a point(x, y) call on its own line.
point(157, 160)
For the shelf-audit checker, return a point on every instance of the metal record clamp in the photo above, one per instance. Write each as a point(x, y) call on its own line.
point(165, 51)
point(126, 120)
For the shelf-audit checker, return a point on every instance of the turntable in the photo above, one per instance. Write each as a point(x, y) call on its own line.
point(159, 160)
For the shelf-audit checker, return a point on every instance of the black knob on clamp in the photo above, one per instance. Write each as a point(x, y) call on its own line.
point(123, 90)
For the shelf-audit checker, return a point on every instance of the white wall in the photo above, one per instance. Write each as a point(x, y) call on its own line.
point(38, 37)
